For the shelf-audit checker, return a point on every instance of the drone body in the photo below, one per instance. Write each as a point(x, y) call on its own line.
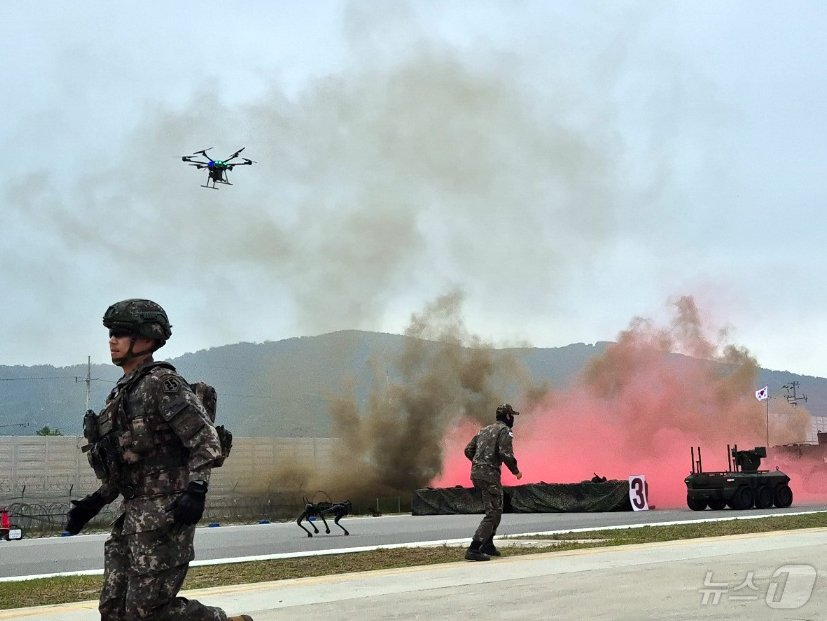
point(216, 169)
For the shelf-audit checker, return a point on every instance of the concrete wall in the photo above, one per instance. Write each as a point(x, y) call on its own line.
point(54, 468)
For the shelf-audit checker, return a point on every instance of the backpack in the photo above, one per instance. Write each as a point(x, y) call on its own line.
point(208, 397)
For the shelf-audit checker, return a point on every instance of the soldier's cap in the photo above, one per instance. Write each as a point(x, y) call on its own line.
point(506, 408)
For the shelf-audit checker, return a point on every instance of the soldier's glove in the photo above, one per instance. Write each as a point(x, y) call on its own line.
point(188, 508)
point(83, 510)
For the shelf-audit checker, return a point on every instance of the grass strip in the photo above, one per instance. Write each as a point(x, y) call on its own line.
point(65, 589)
point(653, 533)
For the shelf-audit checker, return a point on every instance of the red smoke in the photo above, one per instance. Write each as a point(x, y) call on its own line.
point(638, 409)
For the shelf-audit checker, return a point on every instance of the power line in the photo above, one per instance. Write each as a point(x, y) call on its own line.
point(18, 379)
point(292, 395)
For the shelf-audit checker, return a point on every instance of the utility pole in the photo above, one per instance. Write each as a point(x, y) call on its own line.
point(791, 396)
point(88, 380)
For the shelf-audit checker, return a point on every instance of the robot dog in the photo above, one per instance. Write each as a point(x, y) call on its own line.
point(322, 509)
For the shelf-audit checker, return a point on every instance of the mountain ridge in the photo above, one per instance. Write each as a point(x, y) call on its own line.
point(286, 387)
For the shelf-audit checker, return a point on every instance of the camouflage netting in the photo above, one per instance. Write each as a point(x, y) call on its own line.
point(533, 498)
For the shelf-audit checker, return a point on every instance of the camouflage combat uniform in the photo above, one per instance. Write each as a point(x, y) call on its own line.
point(166, 440)
point(487, 450)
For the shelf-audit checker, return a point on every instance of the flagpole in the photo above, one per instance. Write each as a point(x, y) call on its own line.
point(763, 394)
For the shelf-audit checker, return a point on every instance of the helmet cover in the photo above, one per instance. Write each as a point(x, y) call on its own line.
point(141, 317)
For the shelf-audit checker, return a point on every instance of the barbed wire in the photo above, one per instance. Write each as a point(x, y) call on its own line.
point(48, 518)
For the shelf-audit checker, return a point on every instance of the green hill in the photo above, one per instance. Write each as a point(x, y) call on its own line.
point(285, 388)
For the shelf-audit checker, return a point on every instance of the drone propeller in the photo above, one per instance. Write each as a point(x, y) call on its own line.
point(246, 162)
point(234, 155)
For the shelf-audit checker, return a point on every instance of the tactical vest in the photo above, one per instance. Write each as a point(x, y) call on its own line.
point(138, 452)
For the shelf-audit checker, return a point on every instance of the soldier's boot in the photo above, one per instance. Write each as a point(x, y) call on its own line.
point(240, 618)
point(489, 548)
point(473, 553)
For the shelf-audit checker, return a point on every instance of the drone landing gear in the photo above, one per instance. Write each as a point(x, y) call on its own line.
point(215, 184)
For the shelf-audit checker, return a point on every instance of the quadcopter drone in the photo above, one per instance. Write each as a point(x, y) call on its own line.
point(216, 169)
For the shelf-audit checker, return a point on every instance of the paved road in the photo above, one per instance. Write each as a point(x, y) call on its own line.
point(770, 576)
point(30, 557)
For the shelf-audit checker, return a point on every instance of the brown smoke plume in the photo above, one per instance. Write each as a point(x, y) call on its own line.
point(444, 375)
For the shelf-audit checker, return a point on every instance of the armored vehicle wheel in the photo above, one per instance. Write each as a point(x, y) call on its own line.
point(743, 498)
point(783, 496)
point(716, 504)
point(696, 504)
point(764, 497)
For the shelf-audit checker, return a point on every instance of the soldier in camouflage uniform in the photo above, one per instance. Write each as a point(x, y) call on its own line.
point(488, 450)
point(154, 444)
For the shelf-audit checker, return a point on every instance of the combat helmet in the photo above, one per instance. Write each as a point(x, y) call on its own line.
point(141, 317)
point(506, 414)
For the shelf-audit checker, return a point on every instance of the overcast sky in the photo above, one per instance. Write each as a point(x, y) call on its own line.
point(568, 166)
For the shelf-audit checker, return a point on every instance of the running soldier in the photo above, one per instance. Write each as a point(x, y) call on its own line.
point(153, 444)
point(488, 450)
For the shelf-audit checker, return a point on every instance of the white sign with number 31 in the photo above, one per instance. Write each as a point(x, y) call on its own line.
point(639, 492)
